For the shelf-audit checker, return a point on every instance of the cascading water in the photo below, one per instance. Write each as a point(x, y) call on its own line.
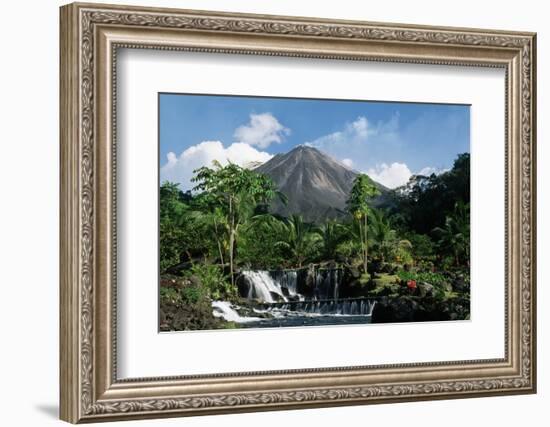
point(295, 298)
point(351, 307)
point(262, 287)
point(225, 309)
point(289, 280)
point(326, 283)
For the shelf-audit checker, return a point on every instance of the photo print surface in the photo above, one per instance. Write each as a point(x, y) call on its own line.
point(285, 212)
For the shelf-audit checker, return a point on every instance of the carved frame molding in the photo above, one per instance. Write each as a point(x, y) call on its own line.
point(90, 36)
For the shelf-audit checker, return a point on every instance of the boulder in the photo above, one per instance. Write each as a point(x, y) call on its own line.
point(460, 284)
point(447, 286)
point(425, 289)
point(391, 310)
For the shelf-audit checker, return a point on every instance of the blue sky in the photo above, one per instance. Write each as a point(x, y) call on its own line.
point(388, 140)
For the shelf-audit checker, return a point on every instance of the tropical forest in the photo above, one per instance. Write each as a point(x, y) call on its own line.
point(303, 240)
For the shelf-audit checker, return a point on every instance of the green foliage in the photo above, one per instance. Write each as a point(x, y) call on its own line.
point(362, 191)
point(425, 201)
point(301, 241)
point(194, 294)
point(422, 248)
point(170, 295)
point(454, 236)
point(258, 246)
point(349, 248)
point(332, 234)
point(181, 231)
point(432, 278)
point(232, 193)
point(364, 279)
point(224, 223)
point(213, 282)
point(384, 241)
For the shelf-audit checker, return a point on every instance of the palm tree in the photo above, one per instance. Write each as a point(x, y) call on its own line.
point(236, 192)
point(362, 191)
point(454, 236)
point(332, 233)
point(301, 239)
point(382, 237)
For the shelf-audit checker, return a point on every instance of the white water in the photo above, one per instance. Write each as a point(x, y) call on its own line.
point(262, 286)
point(363, 307)
point(225, 310)
point(289, 279)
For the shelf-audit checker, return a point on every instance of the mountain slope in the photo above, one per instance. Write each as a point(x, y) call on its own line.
point(316, 185)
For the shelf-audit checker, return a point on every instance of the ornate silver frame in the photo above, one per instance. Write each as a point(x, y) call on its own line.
point(90, 36)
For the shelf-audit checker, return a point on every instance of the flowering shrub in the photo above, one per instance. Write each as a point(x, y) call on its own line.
point(436, 279)
point(411, 284)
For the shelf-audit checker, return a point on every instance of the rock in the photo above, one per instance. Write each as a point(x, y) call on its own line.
point(175, 282)
point(425, 289)
point(414, 309)
point(460, 285)
point(390, 310)
point(243, 286)
point(354, 272)
point(447, 287)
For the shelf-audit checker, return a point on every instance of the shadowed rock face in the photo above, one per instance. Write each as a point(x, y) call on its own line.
point(316, 185)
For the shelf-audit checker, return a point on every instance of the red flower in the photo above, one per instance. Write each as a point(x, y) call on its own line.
point(411, 284)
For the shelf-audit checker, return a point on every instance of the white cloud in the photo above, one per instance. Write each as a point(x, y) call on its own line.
point(180, 168)
point(391, 176)
point(357, 131)
point(348, 163)
point(262, 130)
point(363, 141)
point(398, 174)
point(428, 170)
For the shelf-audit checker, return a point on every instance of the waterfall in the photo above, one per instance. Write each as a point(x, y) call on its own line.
point(326, 283)
point(263, 287)
point(289, 280)
point(346, 307)
point(284, 285)
point(225, 310)
point(336, 281)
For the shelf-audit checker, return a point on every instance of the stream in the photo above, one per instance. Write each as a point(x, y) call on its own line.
point(305, 297)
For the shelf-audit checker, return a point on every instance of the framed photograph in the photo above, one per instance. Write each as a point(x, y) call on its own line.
point(266, 213)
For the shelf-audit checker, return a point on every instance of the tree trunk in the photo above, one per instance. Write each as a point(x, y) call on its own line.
point(231, 240)
point(218, 241)
point(366, 245)
point(362, 240)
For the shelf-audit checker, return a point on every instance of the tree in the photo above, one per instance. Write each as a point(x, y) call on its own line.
point(362, 191)
point(258, 242)
point(332, 233)
point(174, 235)
point(454, 236)
point(301, 240)
point(236, 192)
point(383, 238)
point(425, 201)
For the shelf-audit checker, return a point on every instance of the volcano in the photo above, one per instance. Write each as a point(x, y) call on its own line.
point(316, 185)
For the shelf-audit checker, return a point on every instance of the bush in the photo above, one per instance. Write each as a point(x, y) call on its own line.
point(435, 279)
point(170, 295)
point(214, 282)
point(194, 294)
point(364, 279)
